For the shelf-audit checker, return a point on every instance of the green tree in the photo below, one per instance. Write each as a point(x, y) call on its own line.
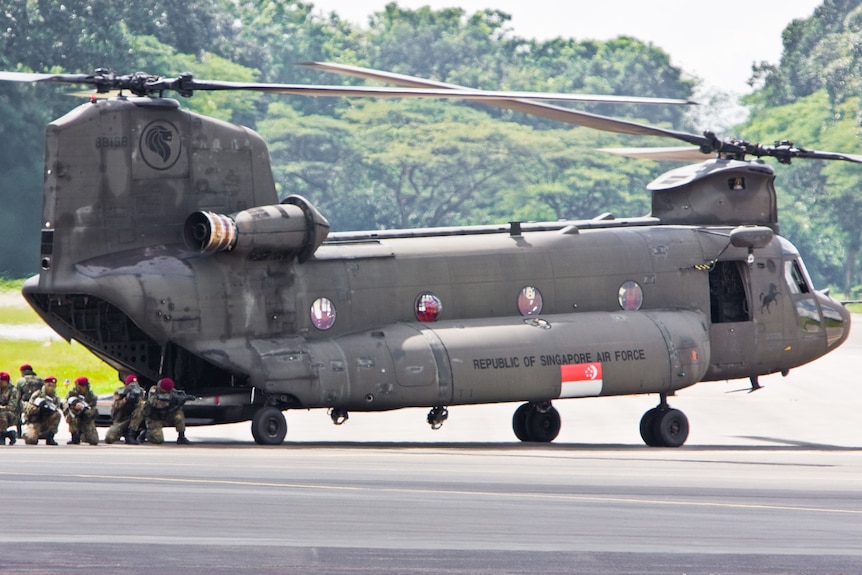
point(819, 205)
point(820, 51)
point(273, 36)
point(567, 177)
point(366, 164)
point(319, 157)
point(812, 97)
point(434, 164)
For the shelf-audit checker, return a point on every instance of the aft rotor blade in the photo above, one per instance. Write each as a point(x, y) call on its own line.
point(384, 92)
point(565, 115)
point(142, 84)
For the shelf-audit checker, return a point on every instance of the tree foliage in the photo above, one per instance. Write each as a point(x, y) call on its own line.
point(813, 97)
point(374, 164)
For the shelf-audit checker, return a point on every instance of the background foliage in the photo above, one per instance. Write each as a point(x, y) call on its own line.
point(372, 164)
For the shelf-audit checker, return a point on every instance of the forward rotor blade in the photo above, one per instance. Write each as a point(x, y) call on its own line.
point(706, 144)
point(29, 77)
point(682, 154)
point(415, 82)
point(565, 115)
point(817, 155)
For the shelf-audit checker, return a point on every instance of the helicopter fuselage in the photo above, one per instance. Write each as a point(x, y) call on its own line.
point(166, 252)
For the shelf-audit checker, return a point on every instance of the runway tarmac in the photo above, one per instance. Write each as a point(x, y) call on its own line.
point(768, 482)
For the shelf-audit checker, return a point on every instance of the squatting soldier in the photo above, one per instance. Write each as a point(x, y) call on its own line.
point(9, 409)
point(42, 414)
point(80, 410)
point(27, 386)
point(165, 407)
point(127, 412)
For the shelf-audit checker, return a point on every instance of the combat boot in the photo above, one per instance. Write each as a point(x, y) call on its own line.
point(182, 440)
point(13, 437)
point(50, 440)
point(131, 439)
point(76, 439)
point(3, 439)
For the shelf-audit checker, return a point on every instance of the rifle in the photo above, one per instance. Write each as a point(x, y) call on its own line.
point(164, 403)
point(181, 397)
point(132, 393)
point(47, 406)
point(78, 406)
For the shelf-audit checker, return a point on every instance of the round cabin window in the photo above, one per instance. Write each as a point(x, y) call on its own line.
point(323, 313)
point(631, 296)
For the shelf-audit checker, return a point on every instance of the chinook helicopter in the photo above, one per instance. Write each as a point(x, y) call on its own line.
point(166, 251)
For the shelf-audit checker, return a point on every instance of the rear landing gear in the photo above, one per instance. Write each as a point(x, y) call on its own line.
point(539, 422)
point(663, 426)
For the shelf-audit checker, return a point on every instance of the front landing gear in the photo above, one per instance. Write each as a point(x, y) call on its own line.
point(663, 426)
point(539, 422)
point(437, 416)
point(268, 426)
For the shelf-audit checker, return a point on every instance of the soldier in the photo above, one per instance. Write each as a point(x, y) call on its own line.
point(42, 414)
point(165, 407)
point(27, 386)
point(9, 409)
point(127, 412)
point(80, 410)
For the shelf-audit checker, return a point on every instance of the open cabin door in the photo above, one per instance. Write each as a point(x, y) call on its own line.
point(732, 330)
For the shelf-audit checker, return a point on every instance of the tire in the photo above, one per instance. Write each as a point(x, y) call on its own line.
point(519, 422)
point(671, 428)
point(268, 426)
point(543, 427)
point(648, 433)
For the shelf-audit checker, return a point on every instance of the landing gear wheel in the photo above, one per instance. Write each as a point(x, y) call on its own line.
point(268, 426)
point(519, 422)
point(671, 428)
point(648, 427)
point(543, 426)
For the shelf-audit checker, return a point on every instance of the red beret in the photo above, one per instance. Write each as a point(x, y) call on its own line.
point(50, 379)
point(4, 376)
point(26, 367)
point(82, 381)
point(130, 378)
point(166, 384)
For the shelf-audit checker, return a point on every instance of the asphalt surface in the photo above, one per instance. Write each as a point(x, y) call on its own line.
point(768, 482)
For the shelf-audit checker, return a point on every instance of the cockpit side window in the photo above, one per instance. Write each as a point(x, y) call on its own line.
point(795, 278)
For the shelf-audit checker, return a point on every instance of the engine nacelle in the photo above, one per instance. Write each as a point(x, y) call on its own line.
point(293, 226)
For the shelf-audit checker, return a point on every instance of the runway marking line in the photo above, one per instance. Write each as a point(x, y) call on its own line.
point(550, 496)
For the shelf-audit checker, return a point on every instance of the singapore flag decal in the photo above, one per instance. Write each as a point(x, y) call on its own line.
point(581, 379)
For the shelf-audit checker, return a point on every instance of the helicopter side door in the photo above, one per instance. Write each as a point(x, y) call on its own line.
point(732, 330)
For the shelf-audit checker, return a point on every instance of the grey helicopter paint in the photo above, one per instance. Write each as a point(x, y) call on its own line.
point(167, 252)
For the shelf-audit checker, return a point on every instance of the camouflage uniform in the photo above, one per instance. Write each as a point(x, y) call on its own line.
point(9, 409)
point(127, 412)
point(29, 384)
point(164, 408)
point(80, 411)
point(41, 422)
